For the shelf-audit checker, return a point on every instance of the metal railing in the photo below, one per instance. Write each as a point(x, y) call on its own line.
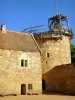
point(61, 28)
point(54, 31)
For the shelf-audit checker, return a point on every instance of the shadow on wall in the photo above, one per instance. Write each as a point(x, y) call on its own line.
point(60, 79)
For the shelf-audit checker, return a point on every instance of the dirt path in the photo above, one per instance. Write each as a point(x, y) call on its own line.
point(39, 97)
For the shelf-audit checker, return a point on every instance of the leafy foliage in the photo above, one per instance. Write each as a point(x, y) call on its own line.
point(72, 52)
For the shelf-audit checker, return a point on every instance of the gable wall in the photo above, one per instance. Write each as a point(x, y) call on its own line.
point(12, 75)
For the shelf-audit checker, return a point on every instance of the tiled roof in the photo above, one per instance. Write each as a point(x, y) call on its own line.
point(17, 41)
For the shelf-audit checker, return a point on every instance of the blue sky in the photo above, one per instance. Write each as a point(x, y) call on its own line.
point(20, 14)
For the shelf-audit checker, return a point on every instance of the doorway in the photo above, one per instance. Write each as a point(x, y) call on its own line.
point(23, 89)
point(43, 85)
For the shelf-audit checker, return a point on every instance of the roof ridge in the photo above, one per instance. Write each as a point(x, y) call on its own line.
point(16, 32)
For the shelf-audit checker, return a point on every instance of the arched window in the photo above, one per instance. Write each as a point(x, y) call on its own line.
point(24, 63)
point(23, 60)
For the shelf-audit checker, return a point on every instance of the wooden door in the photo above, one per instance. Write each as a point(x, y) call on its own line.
point(23, 89)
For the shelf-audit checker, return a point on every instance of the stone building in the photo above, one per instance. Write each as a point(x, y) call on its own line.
point(55, 44)
point(25, 58)
point(20, 63)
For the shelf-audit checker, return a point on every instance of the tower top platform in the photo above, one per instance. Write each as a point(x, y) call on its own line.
point(58, 17)
point(57, 26)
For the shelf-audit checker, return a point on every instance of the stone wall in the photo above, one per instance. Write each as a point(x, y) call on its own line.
point(61, 79)
point(12, 75)
point(59, 52)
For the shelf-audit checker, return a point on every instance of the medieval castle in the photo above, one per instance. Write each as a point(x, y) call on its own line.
point(24, 58)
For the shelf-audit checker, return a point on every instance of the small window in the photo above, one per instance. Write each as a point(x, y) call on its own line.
point(48, 55)
point(22, 62)
point(26, 63)
point(29, 86)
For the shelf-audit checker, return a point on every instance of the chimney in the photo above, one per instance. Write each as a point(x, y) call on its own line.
point(3, 27)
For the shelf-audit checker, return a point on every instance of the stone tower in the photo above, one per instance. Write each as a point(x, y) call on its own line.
point(55, 43)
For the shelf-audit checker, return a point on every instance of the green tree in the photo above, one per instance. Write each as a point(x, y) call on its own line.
point(72, 53)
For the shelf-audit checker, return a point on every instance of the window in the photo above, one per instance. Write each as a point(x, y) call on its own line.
point(29, 86)
point(24, 63)
point(48, 55)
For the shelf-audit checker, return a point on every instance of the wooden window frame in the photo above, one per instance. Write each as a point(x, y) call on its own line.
point(30, 87)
